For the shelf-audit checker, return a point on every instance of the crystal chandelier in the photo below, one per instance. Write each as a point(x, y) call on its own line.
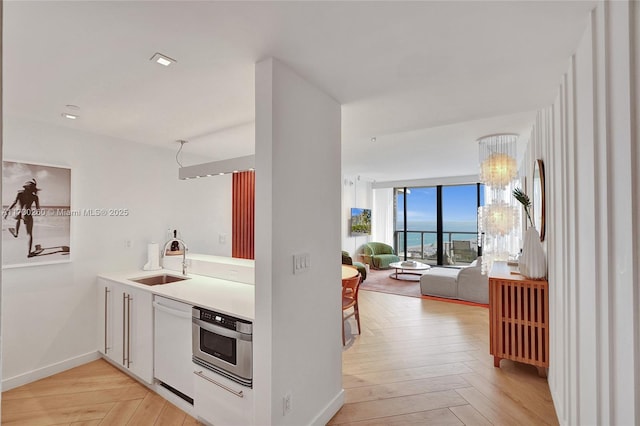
point(499, 217)
point(498, 165)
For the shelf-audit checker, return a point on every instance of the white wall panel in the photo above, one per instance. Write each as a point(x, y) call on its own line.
point(602, 252)
point(589, 141)
point(621, 224)
point(584, 220)
point(635, 144)
point(297, 333)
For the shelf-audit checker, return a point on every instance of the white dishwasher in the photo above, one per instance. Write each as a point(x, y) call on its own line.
point(172, 346)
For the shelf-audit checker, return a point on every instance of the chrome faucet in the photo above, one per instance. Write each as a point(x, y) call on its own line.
point(184, 253)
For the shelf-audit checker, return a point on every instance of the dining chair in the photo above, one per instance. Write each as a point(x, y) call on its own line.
point(350, 300)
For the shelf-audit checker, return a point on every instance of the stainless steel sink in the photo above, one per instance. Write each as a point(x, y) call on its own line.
point(159, 279)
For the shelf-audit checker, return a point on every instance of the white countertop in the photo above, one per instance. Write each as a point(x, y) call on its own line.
point(228, 297)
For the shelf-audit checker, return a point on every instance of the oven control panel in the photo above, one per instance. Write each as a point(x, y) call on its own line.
point(223, 320)
point(217, 318)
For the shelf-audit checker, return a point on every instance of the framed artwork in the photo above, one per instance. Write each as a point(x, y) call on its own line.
point(36, 214)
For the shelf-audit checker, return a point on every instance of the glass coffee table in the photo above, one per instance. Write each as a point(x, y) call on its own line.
point(408, 271)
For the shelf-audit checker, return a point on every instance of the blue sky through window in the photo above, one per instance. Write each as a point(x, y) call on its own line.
point(458, 204)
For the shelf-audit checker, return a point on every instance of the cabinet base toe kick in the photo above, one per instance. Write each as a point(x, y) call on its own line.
point(176, 392)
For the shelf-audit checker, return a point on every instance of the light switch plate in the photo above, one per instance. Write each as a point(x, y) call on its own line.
point(301, 262)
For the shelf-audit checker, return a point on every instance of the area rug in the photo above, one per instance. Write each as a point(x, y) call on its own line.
point(379, 280)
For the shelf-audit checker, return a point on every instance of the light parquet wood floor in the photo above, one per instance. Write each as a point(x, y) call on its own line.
point(424, 362)
point(417, 362)
point(96, 393)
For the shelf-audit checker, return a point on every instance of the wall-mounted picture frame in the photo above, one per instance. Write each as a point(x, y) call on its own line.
point(360, 222)
point(36, 214)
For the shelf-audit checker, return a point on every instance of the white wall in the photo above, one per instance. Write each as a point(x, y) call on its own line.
point(383, 215)
point(48, 312)
point(1, 144)
point(588, 140)
point(297, 333)
point(356, 192)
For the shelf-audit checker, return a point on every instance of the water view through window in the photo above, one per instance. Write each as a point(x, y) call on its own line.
point(458, 205)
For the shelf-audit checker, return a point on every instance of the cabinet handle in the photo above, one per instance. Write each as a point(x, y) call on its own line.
point(228, 389)
point(106, 305)
point(124, 326)
point(129, 299)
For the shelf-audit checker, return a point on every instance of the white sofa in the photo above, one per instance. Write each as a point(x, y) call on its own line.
point(466, 283)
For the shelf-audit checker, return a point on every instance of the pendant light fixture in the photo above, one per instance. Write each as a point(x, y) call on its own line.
point(499, 217)
point(498, 165)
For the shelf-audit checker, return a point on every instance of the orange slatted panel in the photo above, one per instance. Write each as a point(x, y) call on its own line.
point(526, 316)
point(539, 354)
point(243, 215)
point(519, 311)
point(512, 319)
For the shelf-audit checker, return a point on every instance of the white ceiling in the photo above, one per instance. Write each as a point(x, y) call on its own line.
point(425, 78)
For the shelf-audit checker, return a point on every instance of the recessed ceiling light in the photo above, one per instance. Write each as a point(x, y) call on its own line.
point(373, 139)
point(69, 116)
point(221, 173)
point(162, 59)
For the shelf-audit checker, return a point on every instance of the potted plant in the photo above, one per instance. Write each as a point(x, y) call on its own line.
point(532, 264)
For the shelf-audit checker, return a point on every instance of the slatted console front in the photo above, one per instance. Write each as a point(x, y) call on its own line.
point(519, 318)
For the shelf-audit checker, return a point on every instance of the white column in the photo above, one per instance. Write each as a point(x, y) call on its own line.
point(297, 337)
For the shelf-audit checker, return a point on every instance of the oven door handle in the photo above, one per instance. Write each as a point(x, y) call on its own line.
point(228, 389)
point(221, 330)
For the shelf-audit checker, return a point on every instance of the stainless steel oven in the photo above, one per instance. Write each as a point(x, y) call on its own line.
point(223, 344)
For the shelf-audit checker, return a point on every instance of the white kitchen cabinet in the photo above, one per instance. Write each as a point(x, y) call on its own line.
point(172, 345)
point(126, 327)
point(220, 401)
point(109, 320)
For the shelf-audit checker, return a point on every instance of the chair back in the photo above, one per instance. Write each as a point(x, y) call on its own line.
point(461, 245)
point(378, 248)
point(350, 287)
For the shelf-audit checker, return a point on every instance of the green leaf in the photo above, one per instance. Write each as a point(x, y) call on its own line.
point(523, 199)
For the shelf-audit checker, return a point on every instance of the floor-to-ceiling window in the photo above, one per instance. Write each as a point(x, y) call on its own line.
point(439, 224)
point(460, 223)
point(417, 235)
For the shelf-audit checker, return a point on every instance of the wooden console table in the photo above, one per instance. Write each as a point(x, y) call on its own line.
point(518, 318)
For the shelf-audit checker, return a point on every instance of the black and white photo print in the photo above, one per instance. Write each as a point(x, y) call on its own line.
point(36, 214)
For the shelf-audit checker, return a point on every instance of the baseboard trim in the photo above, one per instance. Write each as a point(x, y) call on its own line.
point(330, 410)
point(49, 370)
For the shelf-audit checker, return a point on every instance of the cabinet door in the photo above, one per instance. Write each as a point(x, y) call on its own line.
point(125, 327)
point(172, 344)
point(220, 401)
point(110, 336)
point(139, 329)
